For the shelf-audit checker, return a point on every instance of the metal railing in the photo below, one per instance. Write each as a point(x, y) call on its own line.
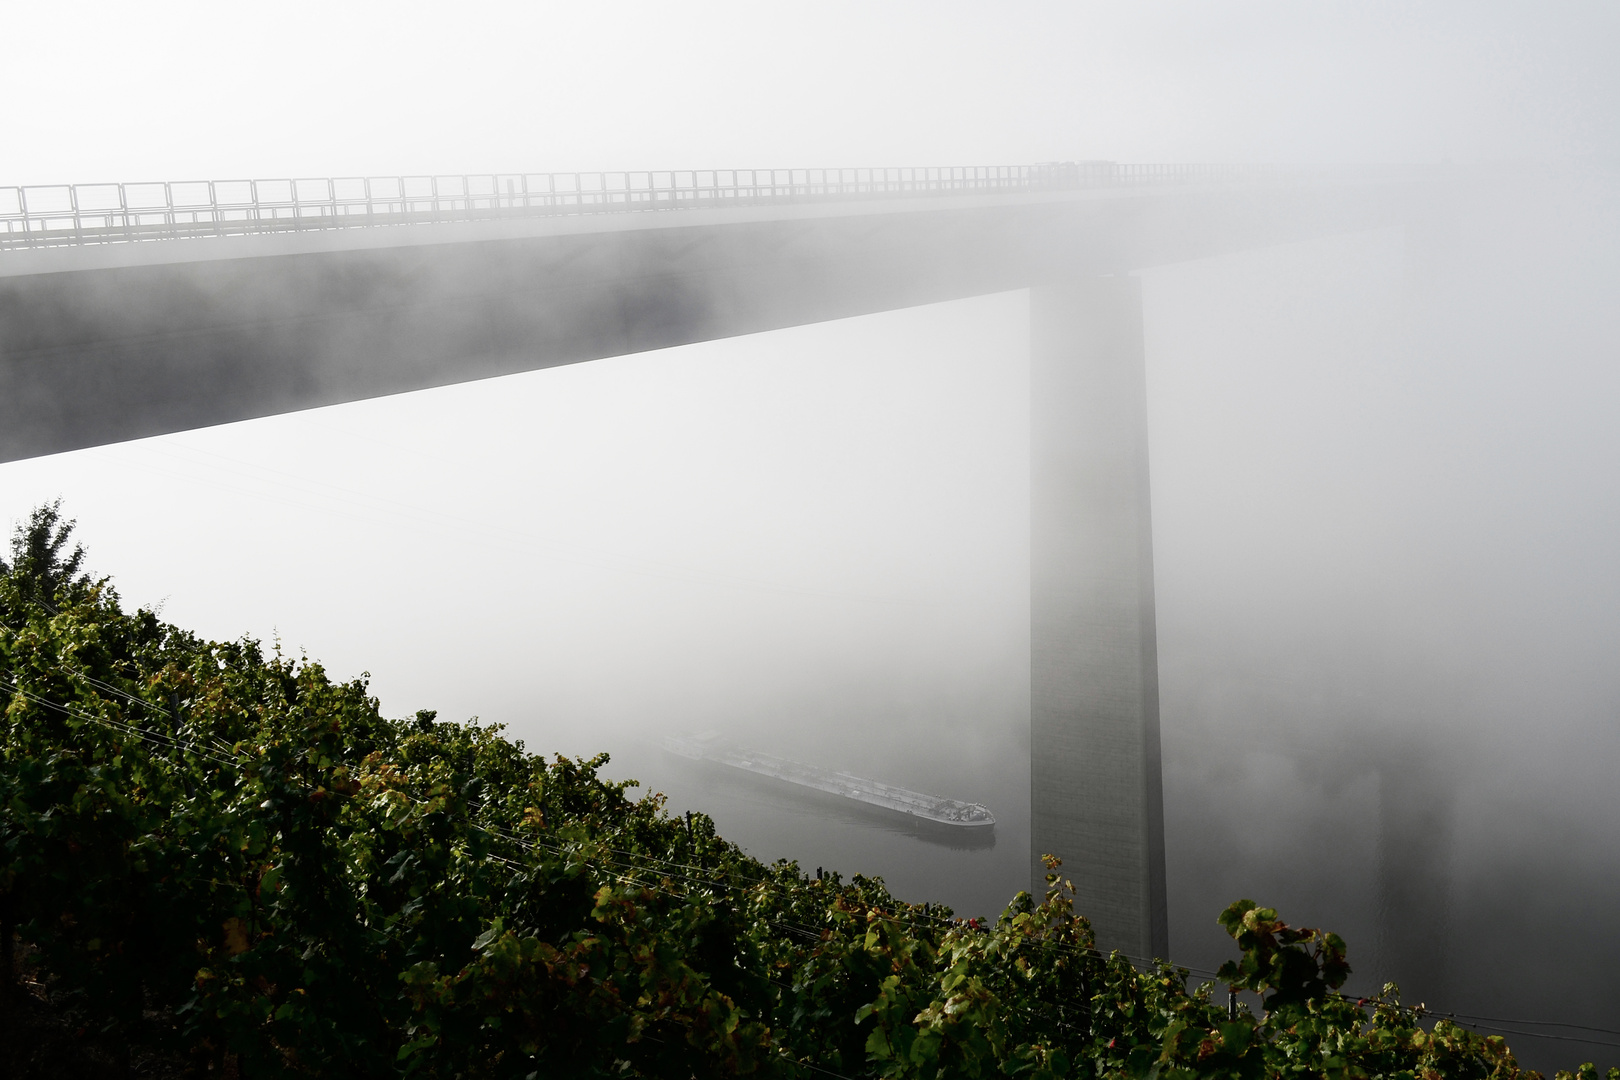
point(74, 214)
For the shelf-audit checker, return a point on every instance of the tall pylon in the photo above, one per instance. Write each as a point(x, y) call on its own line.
point(1096, 789)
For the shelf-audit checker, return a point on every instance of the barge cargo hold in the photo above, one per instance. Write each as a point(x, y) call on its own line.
point(952, 812)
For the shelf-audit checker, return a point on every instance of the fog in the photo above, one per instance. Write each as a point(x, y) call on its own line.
point(171, 89)
point(1384, 465)
point(1403, 716)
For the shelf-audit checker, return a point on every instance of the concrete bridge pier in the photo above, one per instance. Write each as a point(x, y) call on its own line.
point(1095, 787)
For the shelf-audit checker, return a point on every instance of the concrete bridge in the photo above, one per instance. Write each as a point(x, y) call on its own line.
point(135, 310)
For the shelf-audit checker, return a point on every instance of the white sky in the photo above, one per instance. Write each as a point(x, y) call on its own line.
point(118, 90)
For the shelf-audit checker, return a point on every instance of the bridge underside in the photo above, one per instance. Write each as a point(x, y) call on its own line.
point(102, 345)
point(99, 347)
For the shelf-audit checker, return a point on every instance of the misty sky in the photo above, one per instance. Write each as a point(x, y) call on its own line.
point(1384, 476)
point(110, 90)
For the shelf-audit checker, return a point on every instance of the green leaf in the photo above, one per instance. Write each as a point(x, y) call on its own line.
point(413, 1046)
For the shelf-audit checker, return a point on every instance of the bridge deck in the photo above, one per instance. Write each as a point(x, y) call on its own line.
point(112, 341)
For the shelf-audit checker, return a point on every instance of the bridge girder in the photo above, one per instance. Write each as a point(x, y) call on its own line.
point(100, 345)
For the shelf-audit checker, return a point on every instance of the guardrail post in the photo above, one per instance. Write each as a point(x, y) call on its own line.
point(73, 204)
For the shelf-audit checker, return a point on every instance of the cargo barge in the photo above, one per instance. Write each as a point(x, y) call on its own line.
point(708, 746)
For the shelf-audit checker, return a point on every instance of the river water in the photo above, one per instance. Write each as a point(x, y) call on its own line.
point(973, 871)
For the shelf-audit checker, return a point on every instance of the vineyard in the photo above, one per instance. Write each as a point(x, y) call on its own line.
point(224, 860)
